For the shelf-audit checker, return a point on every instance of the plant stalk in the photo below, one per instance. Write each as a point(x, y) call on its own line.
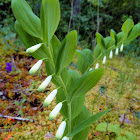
point(69, 121)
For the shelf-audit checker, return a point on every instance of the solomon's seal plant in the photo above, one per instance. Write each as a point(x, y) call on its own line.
point(38, 35)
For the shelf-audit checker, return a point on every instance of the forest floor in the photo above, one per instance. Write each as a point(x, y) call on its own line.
point(118, 89)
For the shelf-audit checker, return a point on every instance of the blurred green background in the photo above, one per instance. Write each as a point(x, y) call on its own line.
point(86, 16)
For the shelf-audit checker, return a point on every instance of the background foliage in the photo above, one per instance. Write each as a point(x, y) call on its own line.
point(82, 16)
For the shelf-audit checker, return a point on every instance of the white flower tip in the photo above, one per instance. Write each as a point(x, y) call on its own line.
point(34, 48)
point(49, 98)
point(55, 111)
point(111, 54)
point(104, 60)
point(35, 68)
point(45, 83)
point(121, 48)
point(97, 66)
point(117, 51)
point(65, 138)
point(90, 69)
point(61, 130)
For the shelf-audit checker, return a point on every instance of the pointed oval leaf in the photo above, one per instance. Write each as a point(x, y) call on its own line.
point(114, 36)
point(86, 82)
point(84, 60)
point(66, 51)
point(130, 136)
point(121, 138)
point(135, 32)
point(29, 41)
point(50, 16)
point(100, 41)
point(127, 26)
point(113, 128)
point(82, 135)
point(27, 19)
point(87, 122)
point(55, 43)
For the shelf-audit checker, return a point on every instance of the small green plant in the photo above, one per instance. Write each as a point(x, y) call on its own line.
point(20, 105)
point(38, 35)
point(121, 135)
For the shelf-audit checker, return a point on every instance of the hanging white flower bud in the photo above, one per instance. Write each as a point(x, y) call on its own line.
point(49, 98)
point(90, 69)
point(97, 66)
point(55, 111)
point(65, 138)
point(35, 67)
point(33, 48)
point(60, 130)
point(111, 54)
point(44, 83)
point(117, 51)
point(104, 60)
point(121, 48)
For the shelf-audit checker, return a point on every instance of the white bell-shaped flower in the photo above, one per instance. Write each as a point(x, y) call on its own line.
point(61, 130)
point(97, 66)
point(35, 67)
point(111, 54)
point(65, 138)
point(117, 51)
point(34, 48)
point(121, 48)
point(55, 111)
point(104, 60)
point(49, 98)
point(45, 83)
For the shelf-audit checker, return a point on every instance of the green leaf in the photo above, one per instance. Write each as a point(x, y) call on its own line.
point(55, 46)
point(120, 37)
point(87, 122)
point(82, 135)
point(84, 60)
point(50, 16)
point(86, 82)
point(135, 32)
point(27, 19)
point(121, 138)
point(97, 51)
point(66, 51)
point(29, 41)
point(24, 100)
point(113, 128)
point(17, 103)
point(21, 112)
point(114, 36)
point(127, 26)
point(72, 76)
point(108, 42)
point(130, 136)
point(77, 105)
point(100, 41)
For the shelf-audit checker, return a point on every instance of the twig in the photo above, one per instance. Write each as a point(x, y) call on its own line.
point(6, 130)
point(71, 16)
point(98, 24)
point(16, 118)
